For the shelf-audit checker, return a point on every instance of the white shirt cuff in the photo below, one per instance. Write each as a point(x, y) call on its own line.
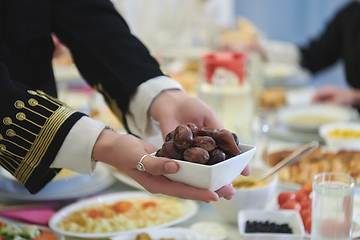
point(75, 152)
point(138, 117)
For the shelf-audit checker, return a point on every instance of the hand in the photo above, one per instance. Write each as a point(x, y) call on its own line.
point(174, 107)
point(124, 151)
point(337, 95)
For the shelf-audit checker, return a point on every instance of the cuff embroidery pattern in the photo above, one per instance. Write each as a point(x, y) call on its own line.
point(30, 133)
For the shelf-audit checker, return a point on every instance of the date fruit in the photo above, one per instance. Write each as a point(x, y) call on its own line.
point(183, 137)
point(196, 154)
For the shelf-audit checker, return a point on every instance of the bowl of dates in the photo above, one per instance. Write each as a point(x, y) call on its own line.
point(208, 158)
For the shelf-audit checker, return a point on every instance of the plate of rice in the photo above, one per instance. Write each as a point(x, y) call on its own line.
point(123, 213)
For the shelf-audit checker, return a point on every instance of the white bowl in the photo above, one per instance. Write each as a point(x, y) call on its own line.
point(247, 198)
point(215, 176)
point(291, 217)
point(336, 144)
point(310, 117)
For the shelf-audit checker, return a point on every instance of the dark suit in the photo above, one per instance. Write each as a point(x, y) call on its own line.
point(340, 40)
point(111, 59)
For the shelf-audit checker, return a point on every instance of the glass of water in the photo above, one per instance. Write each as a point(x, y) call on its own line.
point(332, 206)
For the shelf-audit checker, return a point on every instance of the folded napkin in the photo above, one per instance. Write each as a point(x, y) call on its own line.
point(38, 216)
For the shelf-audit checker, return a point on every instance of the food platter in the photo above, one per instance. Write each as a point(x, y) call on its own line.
point(79, 186)
point(190, 208)
point(167, 233)
point(309, 118)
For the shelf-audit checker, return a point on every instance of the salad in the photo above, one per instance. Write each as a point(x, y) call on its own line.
point(15, 232)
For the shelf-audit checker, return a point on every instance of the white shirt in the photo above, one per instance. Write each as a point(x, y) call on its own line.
point(75, 152)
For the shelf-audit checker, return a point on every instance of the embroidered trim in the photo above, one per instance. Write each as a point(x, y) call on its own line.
point(35, 154)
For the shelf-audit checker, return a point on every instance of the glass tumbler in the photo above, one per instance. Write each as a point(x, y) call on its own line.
point(332, 206)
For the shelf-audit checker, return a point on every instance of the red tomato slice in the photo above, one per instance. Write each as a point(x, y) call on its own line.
point(307, 224)
point(301, 196)
point(306, 204)
point(305, 213)
point(285, 196)
point(291, 204)
point(307, 187)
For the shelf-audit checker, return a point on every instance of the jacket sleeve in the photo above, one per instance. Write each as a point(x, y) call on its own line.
point(325, 50)
point(108, 56)
point(32, 129)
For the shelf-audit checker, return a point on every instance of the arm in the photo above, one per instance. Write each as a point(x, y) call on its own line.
point(326, 49)
point(33, 128)
point(111, 59)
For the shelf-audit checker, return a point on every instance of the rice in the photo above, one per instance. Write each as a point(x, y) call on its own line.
point(125, 215)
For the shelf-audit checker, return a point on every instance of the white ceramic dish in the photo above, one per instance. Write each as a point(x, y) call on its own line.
point(336, 144)
point(247, 198)
point(83, 186)
point(309, 118)
point(292, 218)
point(176, 233)
point(215, 176)
point(190, 206)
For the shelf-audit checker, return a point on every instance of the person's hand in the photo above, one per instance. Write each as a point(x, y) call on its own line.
point(174, 107)
point(123, 151)
point(58, 51)
point(337, 95)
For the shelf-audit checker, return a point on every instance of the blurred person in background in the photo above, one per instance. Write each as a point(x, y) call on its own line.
point(165, 26)
point(39, 134)
point(339, 41)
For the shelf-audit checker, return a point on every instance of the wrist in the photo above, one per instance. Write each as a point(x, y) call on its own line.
point(103, 147)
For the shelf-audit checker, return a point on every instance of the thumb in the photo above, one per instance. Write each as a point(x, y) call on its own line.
point(159, 165)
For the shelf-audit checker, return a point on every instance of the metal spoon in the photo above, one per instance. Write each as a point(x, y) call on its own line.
point(293, 157)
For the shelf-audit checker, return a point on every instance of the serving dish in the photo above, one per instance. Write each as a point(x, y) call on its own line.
point(215, 176)
point(310, 117)
point(337, 143)
point(247, 198)
point(171, 232)
point(292, 218)
point(189, 206)
point(82, 185)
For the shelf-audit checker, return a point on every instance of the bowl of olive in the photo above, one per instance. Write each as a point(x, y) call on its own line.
point(208, 158)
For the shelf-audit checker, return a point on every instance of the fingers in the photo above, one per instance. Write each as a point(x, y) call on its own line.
point(162, 185)
point(227, 192)
point(160, 165)
point(246, 171)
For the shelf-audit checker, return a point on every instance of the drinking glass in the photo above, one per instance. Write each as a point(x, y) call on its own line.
point(332, 206)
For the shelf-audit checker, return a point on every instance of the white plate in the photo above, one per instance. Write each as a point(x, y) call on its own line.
point(127, 180)
point(284, 132)
point(176, 233)
point(85, 185)
point(190, 207)
point(309, 118)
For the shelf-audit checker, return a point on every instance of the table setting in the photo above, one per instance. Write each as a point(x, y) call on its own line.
point(272, 128)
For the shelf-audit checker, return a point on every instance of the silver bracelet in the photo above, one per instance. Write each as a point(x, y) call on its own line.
point(105, 128)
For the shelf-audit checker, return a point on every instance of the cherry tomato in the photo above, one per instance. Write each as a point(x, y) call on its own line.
point(307, 187)
point(2, 224)
point(301, 196)
point(285, 196)
point(307, 224)
point(45, 235)
point(306, 204)
point(291, 204)
point(305, 213)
